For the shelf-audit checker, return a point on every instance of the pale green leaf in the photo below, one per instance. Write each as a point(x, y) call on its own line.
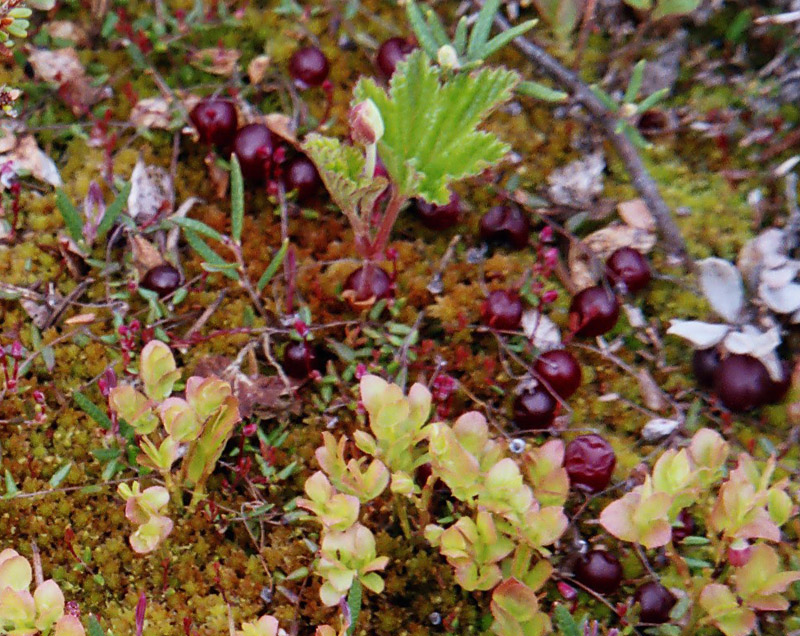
point(341, 168)
point(431, 133)
point(237, 200)
point(666, 8)
point(483, 26)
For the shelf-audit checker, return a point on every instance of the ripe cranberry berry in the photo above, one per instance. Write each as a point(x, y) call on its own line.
point(369, 282)
point(253, 148)
point(299, 360)
point(742, 383)
point(163, 279)
point(589, 461)
point(593, 312)
point(704, 365)
point(439, 217)
point(301, 175)
point(507, 225)
point(309, 67)
point(685, 527)
point(656, 602)
point(560, 370)
point(390, 53)
point(779, 388)
point(216, 121)
point(502, 309)
point(628, 266)
point(599, 570)
point(534, 409)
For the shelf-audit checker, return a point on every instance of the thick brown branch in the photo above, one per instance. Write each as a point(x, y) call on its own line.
point(640, 178)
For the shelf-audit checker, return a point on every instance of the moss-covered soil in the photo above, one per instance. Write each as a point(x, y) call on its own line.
point(246, 549)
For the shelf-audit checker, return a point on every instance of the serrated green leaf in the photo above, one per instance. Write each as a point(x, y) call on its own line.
point(209, 256)
point(431, 136)
point(71, 216)
point(92, 410)
point(60, 475)
point(237, 200)
point(635, 83)
point(483, 26)
point(273, 266)
point(540, 91)
point(114, 210)
point(341, 168)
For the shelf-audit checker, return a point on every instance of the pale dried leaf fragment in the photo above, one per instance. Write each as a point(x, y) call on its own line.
point(26, 155)
point(659, 428)
point(216, 60)
point(151, 192)
point(257, 68)
point(579, 183)
point(67, 30)
point(722, 286)
point(542, 332)
point(652, 395)
point(782, 300)
point(636, 214)
point(702, 335)
point(151, 112)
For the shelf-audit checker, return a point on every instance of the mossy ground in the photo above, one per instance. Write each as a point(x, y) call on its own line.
point(208, 565)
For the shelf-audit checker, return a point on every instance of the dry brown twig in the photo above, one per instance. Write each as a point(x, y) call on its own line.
point(582, 94)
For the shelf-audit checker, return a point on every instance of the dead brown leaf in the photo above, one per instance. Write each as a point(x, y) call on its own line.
point(63, 68)
point(66, 30)
point(151, 192)
point(651, 394)
point(216, 60)
point(583, 271)
point(265, 395)
point(145, 254)
point(257, 68)
point(219, 177)
point(151, 112)
point(636, 214)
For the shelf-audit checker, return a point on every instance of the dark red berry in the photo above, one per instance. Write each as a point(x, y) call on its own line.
point(560, 370)
point(704, 365)
point(600, 571)
point(779, 388)
point(656, 602)
point(629, 267)
point(368, 283)
point(299, 360)
point(309, 66)
point(216, 121)
point(534, 409)
point(301, 175)
point(594, 311)
point(253, 147)
point(742, 383)
point(502, 309)
point(589, 461)
point(439, 217)
point(507, 225)
point(684, 526)
point(390, 53)
point(163, 279)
